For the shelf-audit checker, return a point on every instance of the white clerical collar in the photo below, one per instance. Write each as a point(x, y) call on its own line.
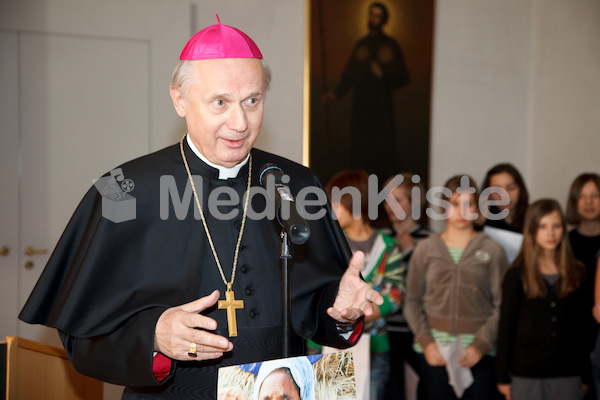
point(224, 172)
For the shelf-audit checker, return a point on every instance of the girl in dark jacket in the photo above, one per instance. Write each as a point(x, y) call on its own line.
point(546, 327)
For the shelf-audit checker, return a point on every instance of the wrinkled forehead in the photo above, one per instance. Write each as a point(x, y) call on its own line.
point(247, 72)
point(281, 381)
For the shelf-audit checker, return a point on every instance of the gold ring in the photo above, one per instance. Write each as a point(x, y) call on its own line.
point(192, 351)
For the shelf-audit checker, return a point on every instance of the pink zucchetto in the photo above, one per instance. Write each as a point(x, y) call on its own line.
point(220, 41)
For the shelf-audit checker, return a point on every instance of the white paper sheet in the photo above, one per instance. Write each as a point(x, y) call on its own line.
point(510, 241)
point(459, 378)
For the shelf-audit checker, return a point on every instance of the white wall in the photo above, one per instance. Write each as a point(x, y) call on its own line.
point(514, 80)
point(517, 81)
point(481, 85)
point(565, 95)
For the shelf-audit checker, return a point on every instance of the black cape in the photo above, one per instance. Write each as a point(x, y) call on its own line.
point(107, 283)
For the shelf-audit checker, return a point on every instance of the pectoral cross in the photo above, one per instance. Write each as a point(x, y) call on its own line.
point(231, 304)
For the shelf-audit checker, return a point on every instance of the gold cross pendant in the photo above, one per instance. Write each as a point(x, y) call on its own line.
point(231, 304)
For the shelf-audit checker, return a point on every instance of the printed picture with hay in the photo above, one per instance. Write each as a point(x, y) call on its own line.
point(318, 377)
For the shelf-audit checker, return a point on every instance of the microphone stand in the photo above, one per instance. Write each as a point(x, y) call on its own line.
point(286, 306)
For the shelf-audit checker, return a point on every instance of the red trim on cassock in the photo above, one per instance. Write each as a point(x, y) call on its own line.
point(161, 366)
point(356, 332)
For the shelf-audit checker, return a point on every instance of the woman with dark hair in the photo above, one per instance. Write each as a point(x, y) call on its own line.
point(453, 297)
point(546, 329)
point(507, 177)
point(583, 212)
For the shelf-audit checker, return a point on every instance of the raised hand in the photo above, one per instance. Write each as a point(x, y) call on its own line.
point(355, 297)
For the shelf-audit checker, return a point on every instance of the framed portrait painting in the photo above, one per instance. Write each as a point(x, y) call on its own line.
point(370, 67)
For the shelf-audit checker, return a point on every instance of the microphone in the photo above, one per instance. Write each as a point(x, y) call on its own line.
point(295, 225)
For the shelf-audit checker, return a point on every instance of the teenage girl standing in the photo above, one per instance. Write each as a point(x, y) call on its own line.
point(546, 328)
point(453, 293)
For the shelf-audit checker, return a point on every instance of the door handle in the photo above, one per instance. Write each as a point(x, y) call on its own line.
point(31, 251)
point(4, 251)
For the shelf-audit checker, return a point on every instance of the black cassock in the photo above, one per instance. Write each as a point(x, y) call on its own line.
point(107, 283)
point(373, 129)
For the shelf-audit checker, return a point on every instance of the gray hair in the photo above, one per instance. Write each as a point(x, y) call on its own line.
point(183, 75)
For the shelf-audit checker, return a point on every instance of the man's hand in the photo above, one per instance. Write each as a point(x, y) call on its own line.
point(376, 69)
point(355, 297)
point(179, 326)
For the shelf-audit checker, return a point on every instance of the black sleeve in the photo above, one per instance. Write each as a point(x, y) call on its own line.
point(317, 268)
point(122, 357)
point(512, 295)
point(327, 331)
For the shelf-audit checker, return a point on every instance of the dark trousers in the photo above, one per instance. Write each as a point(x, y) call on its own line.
point(433, 383)
point(401, 351)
